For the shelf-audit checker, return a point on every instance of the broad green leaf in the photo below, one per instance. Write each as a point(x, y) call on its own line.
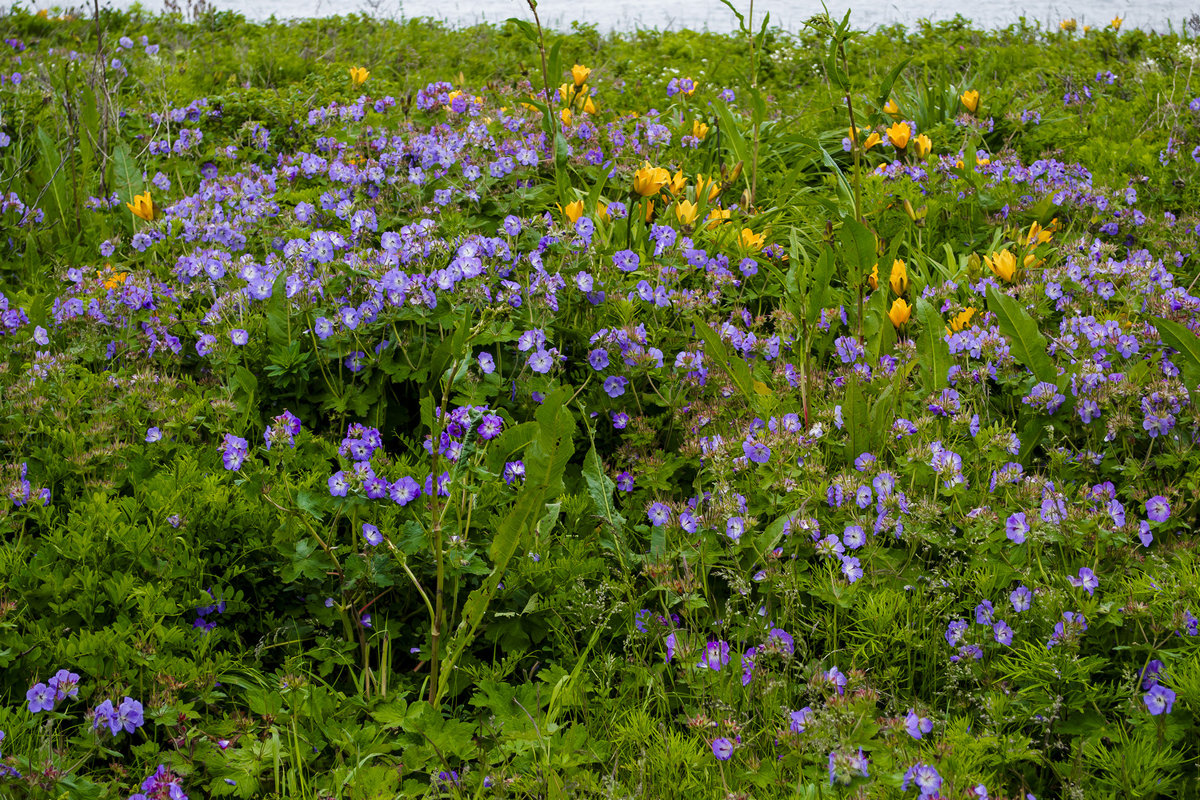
point(933, 353)
point(1026, 342)
point(1179, 337)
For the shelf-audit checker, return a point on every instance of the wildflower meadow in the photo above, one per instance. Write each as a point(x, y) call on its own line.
point(391, 410)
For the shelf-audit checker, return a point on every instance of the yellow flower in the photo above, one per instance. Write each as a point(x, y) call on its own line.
point(751, 240)
point(712, 186)
point(564, 92)
point(579, 74)
point(900, 312)
point(142, 206)
point(1067, 25)
point(898, 135)
point(871, 141)
point(572, 211)
point(602, 210)
point(649, 180)
point(1003, 264)
point(114, 279)
point(962, 319)
point(686, 211)
point(649, 211)
point(1038, 235)
point(1116, 23)
point(359, 75)
point(899, 279)
point(589, 106)
point(717, 216)
point(922, 146)
point(970, 100)
point(873, 278)
point(565, 115)
point(678, 183)
point(891, 109)
point(699, 129)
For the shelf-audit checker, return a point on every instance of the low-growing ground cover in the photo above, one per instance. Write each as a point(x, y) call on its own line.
point(396, 411)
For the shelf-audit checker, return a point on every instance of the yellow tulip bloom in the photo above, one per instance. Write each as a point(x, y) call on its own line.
point(899, 278)
point(649, 180)
point(891, 109)
point(703, 184)
point(678, 183)
point(1002, 264)
point(579, 74)
point(602, 210)
point(873, 278)
point(142, 206)
point(572, 211)
point(699, 129)
point(1116, 23)
point(359, 75)
point(899, 312)
point(717, 216)
point(751, 240)
point(1038, 235)
point(970, 100)
point(922, 146)
point(898, 135)
point(589, 106)
point(686, 211)
point(962, 319)
point(1067, 25)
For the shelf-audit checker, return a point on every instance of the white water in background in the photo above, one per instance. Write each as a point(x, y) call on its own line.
point(627, 15)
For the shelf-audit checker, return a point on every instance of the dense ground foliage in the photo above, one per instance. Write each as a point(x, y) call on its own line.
point(391, 410)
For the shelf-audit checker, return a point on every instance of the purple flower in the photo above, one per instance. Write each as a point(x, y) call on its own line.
point(239, 336)
point(234, 450)
point(1016, 527)
point(514, 470)
point(404, 491)
point(917, 726)
point(129, 717)
point(65, 684)
point(1158, 509)
point(41, 698)
point(153, 434)
point(541, 361)
point(716, 656)
point(854, 536)
point(371, 534)
point(798, 719)
point(659, 514)
point(487, 363)
point(1021, 599)
point(757, 452)
point(598, 358)
point(851, 568)
point(925, 778)
point(1159, 700)
point(338, 485)
point(1086, 580)
point(735, 527)
point(1002, 633)
point(722, 748)
point(614, 385)
point(490, 426)
point(626, 260)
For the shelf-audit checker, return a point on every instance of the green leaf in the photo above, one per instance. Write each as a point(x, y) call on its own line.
point(933, 353)
point(1026, 342)
point(858, 248)
point(1179, 337)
